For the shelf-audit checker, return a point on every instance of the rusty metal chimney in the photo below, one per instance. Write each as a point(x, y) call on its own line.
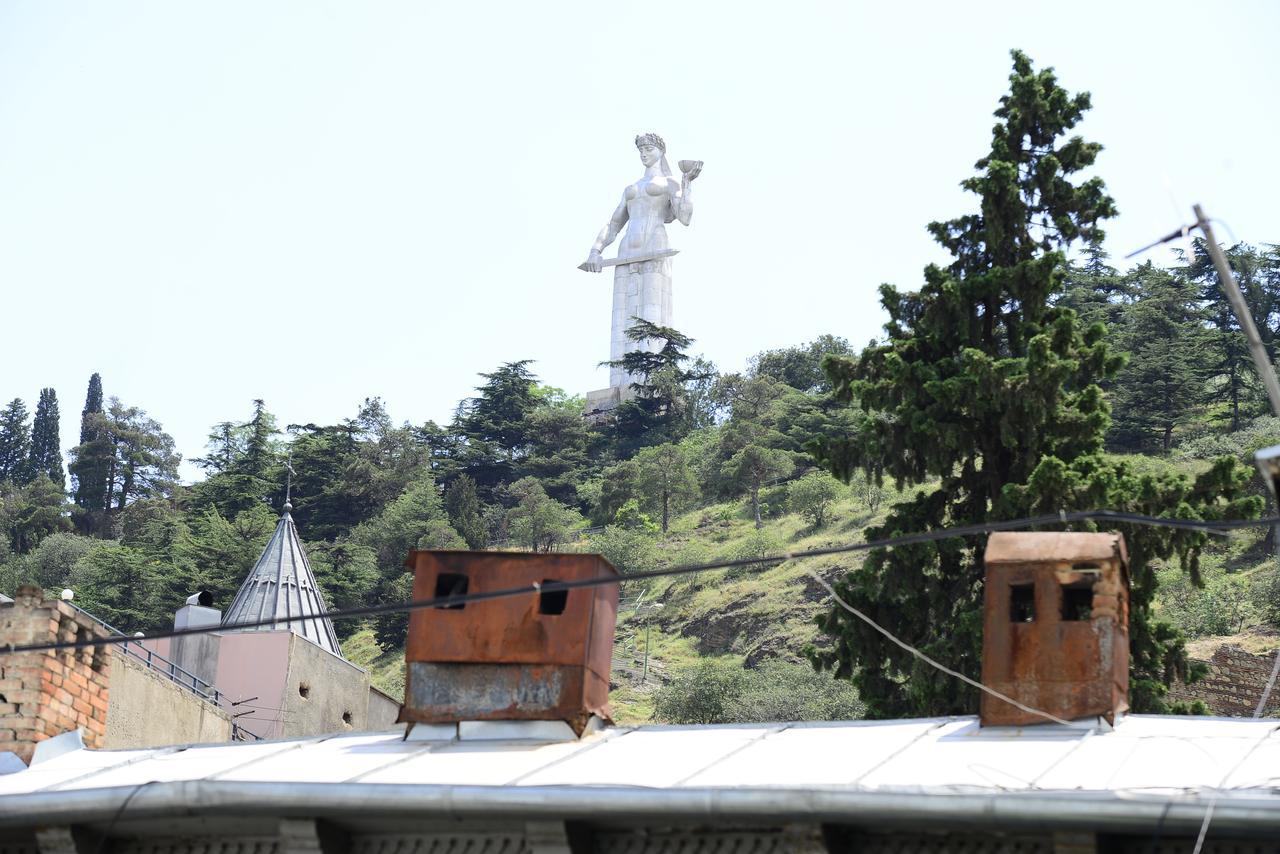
point(544, 656)
point(1056, 626)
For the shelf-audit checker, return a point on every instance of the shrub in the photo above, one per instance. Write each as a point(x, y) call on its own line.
point(719, 690)
point(812, 496)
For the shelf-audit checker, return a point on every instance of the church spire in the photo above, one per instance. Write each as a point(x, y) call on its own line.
point(282, 586)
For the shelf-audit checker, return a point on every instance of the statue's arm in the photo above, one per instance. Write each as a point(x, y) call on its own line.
point(610, 232)
point(606, 236)
point(682, 202)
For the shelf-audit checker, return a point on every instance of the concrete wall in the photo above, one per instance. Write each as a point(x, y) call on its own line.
point(323, 693)
point(1234, 684)
point(251, 671)
point(383, 710)
point(146, 709)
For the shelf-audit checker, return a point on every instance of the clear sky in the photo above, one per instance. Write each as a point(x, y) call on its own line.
point(313, 203)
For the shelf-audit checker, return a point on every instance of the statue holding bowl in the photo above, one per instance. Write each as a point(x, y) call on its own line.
point(642, 270)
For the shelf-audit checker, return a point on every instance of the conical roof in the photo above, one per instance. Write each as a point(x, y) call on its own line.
point(282, 587)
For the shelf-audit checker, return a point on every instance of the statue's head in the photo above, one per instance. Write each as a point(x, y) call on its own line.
point(651, 148)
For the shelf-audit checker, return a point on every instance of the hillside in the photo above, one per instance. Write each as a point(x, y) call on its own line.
point(750, 617)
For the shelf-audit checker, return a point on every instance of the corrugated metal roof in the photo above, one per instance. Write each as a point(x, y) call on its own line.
point(1142, 754)
point(282, 586)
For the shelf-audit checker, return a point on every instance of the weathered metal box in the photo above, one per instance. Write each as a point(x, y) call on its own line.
point(540, 656)
point(1055, 626)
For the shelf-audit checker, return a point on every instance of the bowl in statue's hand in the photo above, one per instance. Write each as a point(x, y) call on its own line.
point(691, 168)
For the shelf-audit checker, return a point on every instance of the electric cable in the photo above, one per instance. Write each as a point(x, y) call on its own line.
point(1221, 527)
point(831, 591)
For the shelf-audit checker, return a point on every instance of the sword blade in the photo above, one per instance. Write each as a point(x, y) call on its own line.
point(655, 256)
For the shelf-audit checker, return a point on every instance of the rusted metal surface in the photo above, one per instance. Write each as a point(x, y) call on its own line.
point(544, 656)
point(1055, 626)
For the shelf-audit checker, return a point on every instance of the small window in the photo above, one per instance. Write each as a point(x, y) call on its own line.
point(1077, 602)
point(451, 584)
point(552, 601)
point(304, 690)
point(1022, 603)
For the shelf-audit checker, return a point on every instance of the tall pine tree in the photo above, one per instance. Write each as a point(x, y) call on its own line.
point(46, 446)
point(1163, 382)
point(92, 457)
point(15, 444)
point(987, 389)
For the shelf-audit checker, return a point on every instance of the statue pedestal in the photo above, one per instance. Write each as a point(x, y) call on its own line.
point(600, 404)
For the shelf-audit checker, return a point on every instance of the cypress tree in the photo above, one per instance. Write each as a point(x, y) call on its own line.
point(990, 391)
point(15, 443)
point(46, 446)
point(91, 465)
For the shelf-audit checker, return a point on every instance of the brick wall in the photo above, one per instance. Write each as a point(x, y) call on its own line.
point(1234, 684)
point(43, 694)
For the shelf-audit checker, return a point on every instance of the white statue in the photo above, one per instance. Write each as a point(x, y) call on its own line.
point(642, 275)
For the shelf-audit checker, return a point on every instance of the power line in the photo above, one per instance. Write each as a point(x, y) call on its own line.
point(1221, 527)
point(831, 591)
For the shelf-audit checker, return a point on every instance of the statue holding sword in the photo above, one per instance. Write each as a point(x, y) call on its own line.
point(642, 270)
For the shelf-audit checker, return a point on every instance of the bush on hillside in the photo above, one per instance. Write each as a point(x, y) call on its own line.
point(813, 495)
point(718, 690)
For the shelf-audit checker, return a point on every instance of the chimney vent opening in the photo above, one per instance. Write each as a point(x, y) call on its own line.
point(451, 584)
point(1077, 602)
point(1022, 603)
point(552, 601)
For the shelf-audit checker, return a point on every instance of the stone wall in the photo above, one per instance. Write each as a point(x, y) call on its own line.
point(148, 709)
point(1234, 684)
point(43, 694)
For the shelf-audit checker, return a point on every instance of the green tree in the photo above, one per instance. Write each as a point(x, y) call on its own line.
point(243, 467)
point(1163, 380)
point(660, 411)
point(15, 443)
point(1258, 275)
point(495, 426)
point(812, 496)
point(537, 521)
point(416, 519)
point(91, 459)
point(347, 573)
point(801, 367)
point(144, 463)
point(466, 512)
point(31, 512)
point(665, 480)
point(986, 386)
point(50, 564)
point(753, 466)
point(46, 447)
point(561, 444)
point(220, 552)
point(120, 585)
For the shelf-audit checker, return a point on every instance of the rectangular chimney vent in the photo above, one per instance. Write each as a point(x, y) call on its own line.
point(1056, 626)
point(541, 656)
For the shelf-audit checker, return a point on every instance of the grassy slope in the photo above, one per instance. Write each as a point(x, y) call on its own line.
point(762, 614)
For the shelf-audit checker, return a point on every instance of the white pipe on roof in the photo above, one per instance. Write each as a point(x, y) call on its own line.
point(1056, 810)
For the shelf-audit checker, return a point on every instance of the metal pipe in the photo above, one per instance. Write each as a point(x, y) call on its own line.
point(1254, 811)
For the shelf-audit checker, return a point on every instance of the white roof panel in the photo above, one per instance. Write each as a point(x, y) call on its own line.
point(1141, 753)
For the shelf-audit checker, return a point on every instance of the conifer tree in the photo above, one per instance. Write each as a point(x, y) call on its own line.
point(988, 389)
point(466, 513)
point(92, 457)
point(1162, 383)
point(46, 446)
point(15, 444)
